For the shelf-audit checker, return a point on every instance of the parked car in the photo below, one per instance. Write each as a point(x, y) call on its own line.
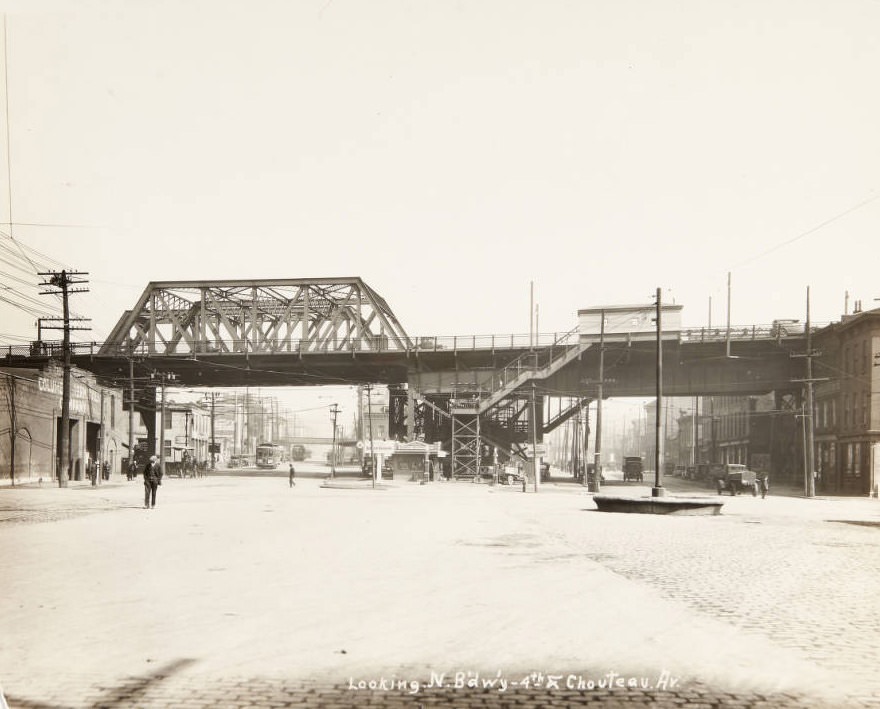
point(387, 468)
point(510, 475)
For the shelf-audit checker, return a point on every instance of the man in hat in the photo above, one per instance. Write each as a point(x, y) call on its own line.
point(152, 480)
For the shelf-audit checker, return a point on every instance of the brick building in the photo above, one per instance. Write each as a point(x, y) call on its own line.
point(846, 411)
point(30, 424)
point(767, 433)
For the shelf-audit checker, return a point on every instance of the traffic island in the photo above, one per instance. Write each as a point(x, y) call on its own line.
point(350, 484)
point(655, 505)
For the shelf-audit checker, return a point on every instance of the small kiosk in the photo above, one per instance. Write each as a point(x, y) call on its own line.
point(416, 461)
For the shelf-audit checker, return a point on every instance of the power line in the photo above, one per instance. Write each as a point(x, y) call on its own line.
point(812, 230)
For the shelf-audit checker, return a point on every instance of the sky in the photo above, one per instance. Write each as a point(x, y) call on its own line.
point(458, 156)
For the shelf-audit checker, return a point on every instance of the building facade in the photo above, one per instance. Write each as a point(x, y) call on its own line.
point(846, 410)
point(770, 433)
point(30, 425)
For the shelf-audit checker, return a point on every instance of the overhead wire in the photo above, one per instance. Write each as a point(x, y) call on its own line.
point(809, 231)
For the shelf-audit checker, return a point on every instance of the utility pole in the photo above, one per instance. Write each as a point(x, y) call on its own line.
point(63, 282)
point(130, 411)
point(727, 337)
point(811, 478)
point(531, 314)
point(585, 448)
point(807, 410)
point(369, 388)
point(657, 490)
point(213, 442)
point(163, 377)
point(597, 465)
point(99, 472)
point(334, 411)
point(13, 427)
point(534, 426)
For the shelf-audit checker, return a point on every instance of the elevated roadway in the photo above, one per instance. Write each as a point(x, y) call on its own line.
point(339, 331)
point(303, 332)
point(695, 362)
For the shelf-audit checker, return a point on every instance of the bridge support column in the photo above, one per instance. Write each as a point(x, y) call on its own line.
point(410, 414)
point(465, 439)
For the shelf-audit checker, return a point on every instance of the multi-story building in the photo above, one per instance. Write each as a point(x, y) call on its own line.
point(769, 433)
point(187, 433)
point(30, 421)
point(846, 411)
point(373, 407)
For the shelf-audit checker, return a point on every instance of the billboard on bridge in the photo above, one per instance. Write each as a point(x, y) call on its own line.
point(626, 323)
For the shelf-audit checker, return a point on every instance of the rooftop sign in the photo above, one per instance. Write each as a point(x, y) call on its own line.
point(628, 322)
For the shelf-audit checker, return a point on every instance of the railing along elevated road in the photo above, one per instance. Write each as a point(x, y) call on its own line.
point(450, 343)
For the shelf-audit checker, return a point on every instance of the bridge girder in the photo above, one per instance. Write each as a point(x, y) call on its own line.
point(256, 317)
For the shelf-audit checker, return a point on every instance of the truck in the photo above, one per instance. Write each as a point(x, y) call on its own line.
point(737, 478)
point(632, 468)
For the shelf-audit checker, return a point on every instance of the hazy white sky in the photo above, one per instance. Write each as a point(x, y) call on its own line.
point(452, 152)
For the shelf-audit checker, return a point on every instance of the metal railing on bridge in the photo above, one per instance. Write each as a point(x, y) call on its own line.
point(433, 343)
point(552, 344)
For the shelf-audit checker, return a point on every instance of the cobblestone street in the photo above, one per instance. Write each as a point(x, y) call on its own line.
point(238, 591)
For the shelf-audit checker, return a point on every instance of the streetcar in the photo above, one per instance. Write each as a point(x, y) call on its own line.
point(269, 455)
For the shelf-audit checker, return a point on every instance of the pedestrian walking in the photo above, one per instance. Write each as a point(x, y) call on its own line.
point(131, 472)
point(291, 475)
point(765, 485)
point(152, 479)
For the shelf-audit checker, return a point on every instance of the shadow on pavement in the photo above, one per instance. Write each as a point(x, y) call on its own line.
point(128, 694)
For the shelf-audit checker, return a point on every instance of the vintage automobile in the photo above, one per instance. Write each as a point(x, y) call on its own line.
point(510, 475)
point(632, 468)
point(786, 327)
point(738, 478)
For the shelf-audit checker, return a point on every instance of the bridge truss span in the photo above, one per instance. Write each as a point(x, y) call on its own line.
point(257, 317)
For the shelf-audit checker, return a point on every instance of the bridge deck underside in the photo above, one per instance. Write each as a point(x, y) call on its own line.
point(259, 370)
point(690, 369)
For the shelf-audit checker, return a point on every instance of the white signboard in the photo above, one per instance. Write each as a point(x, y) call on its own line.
point(381, 447)
point(628, 322)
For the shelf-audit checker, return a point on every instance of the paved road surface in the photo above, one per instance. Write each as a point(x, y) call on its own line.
point(239, 591)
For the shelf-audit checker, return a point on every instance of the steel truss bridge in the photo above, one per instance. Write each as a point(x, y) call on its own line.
point(463, 391)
